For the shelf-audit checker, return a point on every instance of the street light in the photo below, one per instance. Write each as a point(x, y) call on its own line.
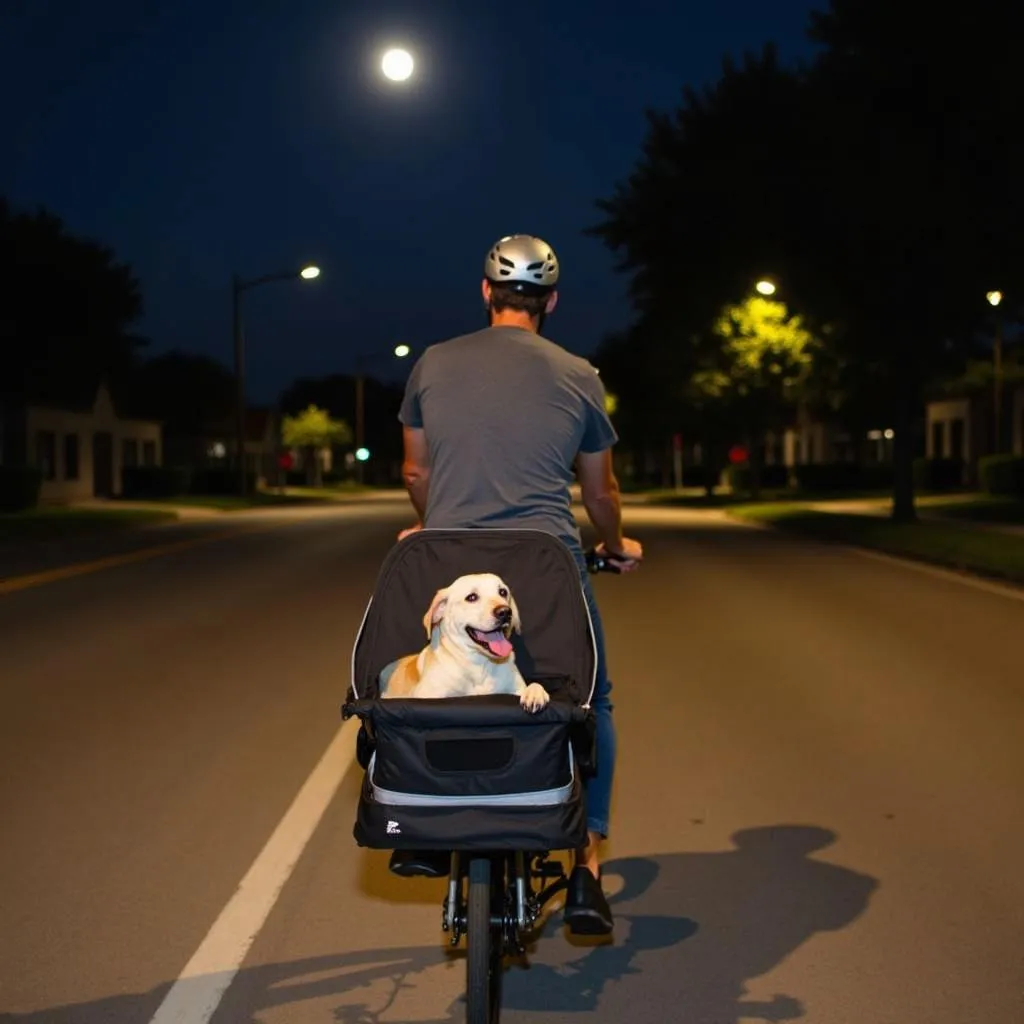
point(238, 287)
point(994, 299)
point(399, 352)
point(765, 287)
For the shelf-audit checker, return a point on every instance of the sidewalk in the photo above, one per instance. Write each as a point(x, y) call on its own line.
point(926, 510)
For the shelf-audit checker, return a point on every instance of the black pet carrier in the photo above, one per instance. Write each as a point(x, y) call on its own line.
point(476, 773)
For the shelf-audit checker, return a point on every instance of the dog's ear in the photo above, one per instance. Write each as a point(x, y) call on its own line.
point(517, 624)
point(436, 611)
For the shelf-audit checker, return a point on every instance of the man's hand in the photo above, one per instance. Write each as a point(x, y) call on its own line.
point(629, 556)
point(410, 531)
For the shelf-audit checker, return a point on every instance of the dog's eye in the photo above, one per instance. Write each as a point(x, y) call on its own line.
point(472, 597)
point(502, 592)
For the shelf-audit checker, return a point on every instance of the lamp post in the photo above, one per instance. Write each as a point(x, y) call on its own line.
point(765, 287)
point(238, 288)
point(995, 298)
point(400, 352)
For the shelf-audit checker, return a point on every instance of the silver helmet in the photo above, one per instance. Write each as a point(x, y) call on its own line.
point(523, 260)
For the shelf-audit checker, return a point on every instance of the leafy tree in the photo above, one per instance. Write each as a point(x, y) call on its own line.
point(760, 370)
point(189, 393)
point(68, 305)
point(878, 185)
point(336, 393)
point(313, 430)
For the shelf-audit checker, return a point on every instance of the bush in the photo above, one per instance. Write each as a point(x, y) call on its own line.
point(19, 488)
point(938, 474)
point(741, 477)
point(1002, 474)
point(775, 477)
point(219, 483)
point(832, 477)
point(700, 476)
point(155, 481)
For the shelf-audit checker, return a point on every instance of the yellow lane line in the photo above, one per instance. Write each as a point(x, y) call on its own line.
point(38, 579)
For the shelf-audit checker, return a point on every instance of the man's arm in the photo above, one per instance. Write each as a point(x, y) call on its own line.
point(416, 468)
point(600, 492)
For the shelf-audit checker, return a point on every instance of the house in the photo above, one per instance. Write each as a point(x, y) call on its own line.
point(962, 426)
point(78, 441)
point(214, 446)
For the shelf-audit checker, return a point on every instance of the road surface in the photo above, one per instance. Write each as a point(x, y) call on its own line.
point(818, 809)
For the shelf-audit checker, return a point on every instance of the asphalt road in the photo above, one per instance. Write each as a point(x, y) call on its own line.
point(819, 808)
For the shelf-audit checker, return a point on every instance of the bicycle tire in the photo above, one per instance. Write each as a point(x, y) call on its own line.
point(484, 954)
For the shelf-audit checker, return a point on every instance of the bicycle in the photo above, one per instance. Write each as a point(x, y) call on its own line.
point(514, 780)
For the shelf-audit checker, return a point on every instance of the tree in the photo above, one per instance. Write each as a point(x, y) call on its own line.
point(336, 394)
point(68, 304)
point(760, 370)
point(313, 430)
point(878, 185)
point(187, 392)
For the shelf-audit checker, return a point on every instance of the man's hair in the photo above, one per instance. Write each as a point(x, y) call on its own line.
point(530, 301)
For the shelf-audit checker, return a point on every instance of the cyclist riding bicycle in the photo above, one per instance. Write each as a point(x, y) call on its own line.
point(494, 424)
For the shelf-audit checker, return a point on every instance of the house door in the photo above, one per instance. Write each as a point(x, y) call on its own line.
point(103, 465)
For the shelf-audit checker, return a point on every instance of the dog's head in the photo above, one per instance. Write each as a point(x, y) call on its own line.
point(478, 613)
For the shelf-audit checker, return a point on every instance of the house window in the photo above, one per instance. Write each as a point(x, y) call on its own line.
point(129, 452)
point(46, 454)
point(70, 456)
point(938, 439)
point(149, 453)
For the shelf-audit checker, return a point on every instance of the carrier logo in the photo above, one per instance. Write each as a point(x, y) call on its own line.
point(393, 829)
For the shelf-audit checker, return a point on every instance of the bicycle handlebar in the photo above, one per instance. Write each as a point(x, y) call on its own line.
point(602, 563)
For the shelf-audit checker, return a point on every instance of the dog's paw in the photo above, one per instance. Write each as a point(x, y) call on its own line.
point(534, 697)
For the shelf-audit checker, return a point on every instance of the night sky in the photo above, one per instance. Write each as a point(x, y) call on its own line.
point(202, 137)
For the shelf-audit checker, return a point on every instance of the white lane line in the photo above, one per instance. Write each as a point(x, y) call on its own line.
point(195, 996)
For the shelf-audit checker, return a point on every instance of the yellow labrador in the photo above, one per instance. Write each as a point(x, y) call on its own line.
point(471, 653)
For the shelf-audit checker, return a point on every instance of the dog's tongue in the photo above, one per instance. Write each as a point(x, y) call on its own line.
point(499, 644)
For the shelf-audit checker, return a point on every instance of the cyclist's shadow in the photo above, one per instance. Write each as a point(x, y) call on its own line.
point(693, 928)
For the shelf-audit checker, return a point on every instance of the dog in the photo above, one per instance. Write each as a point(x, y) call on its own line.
point(469, 625)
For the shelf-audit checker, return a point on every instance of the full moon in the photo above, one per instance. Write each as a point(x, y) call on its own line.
point(397, 65)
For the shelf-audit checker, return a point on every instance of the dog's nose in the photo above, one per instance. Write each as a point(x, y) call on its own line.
point(503, 614)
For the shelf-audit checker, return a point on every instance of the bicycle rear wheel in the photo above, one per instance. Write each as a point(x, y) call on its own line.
point(484, 953)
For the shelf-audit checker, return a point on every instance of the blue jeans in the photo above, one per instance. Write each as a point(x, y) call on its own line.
point(599, 787)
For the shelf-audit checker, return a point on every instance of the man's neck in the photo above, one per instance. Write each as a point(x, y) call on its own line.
point(514, 318)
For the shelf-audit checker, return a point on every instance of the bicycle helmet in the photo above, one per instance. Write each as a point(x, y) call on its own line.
point(523, 263)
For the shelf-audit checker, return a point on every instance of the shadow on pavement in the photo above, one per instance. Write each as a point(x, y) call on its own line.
point(692, 929)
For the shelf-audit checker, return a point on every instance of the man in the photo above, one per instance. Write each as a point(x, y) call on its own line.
point(494, 423)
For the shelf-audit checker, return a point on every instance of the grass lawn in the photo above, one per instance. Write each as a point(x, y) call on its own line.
point(699, 499)
point(956, 546)
point(290, 496)
point(61, 523)
point(977, 508)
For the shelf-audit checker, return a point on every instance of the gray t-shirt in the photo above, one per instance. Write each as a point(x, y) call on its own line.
point(505, 414)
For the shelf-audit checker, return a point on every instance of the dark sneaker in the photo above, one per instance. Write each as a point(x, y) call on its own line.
point(421, 863)
point(586, 909)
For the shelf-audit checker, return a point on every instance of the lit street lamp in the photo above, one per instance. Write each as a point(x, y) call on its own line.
point(400, 352)
point(994, 299)
point(238, 287)
point(765, 287)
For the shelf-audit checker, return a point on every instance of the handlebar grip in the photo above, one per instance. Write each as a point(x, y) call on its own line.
point(602, 563)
